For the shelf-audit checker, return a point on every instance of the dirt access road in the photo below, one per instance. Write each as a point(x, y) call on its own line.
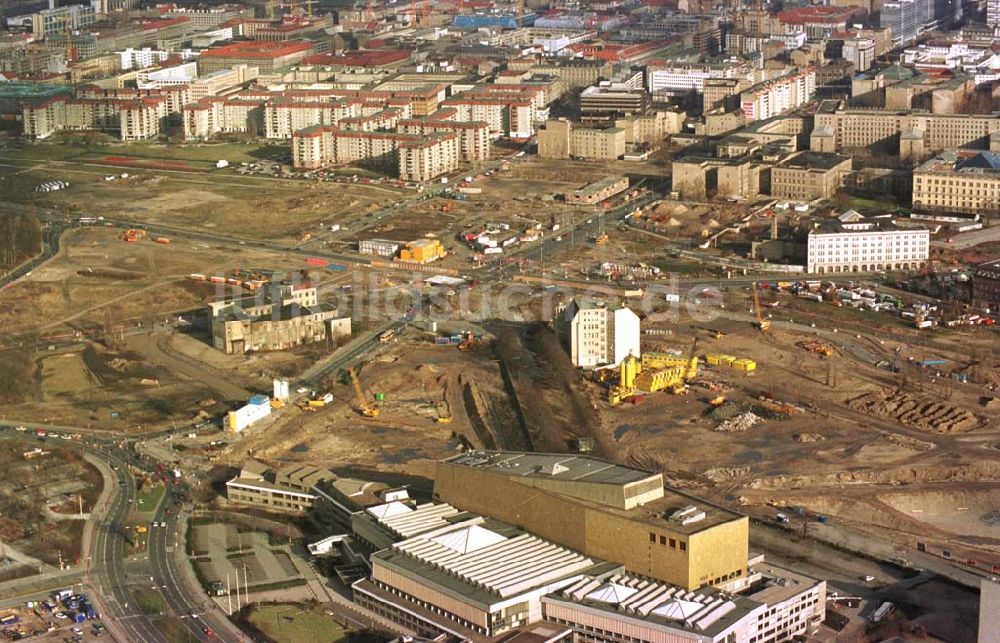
point(156, 347)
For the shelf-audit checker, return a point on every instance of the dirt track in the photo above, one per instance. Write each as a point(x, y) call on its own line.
point(156, 347)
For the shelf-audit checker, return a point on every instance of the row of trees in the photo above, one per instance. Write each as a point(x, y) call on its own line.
point(20, 239)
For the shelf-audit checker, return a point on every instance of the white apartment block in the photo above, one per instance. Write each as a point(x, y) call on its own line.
point(283, 117)
point(474, 137)
point(851, 243)
point(599, 335)
point(430, 157)
point(141, 58)
point(774, 97)
point(512, 118)
point(134, 118)
point(211, 116)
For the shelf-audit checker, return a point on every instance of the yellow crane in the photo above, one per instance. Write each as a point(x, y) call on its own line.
point(364, 408)
point(763, 324)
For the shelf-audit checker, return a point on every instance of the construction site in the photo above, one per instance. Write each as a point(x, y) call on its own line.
point(856, 411)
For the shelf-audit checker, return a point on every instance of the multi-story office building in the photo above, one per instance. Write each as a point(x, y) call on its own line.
point(960, 181)
point(561, 140)
point(58, 20)
point(677, 79)
point(206, 18)
point(288, 490)
point(852, 243)
point(266, 56)
point(907, 19)
point(606, 102)
point(911, 134)
point(805, 176)
point(596, 334)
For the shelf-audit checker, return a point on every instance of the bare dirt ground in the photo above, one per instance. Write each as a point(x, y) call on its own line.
point(238, 205)
point(420, 383)
point(37, 484)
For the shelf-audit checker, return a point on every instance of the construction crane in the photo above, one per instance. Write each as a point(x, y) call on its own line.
point(759, 322)
point(364, 408)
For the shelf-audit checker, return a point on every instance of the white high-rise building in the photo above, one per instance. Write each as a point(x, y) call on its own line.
point(599, 335)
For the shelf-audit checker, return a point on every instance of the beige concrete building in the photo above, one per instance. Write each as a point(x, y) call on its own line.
point(598, 191)
point(698, 178)
point(288, 489)
point(650, 129)
point(603, 510)
point(561, 140)
point(722, 93)
point(910, 134)
point(805, 176)
point(223, 81)
point(960, 181)
point(277, 317)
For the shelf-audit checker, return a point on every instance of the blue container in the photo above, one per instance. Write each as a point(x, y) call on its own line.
point(259, 399)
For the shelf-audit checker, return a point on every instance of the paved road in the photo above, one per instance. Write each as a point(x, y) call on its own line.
point(349, 354)
point(50, 247)
point(969, 239)
point(107, 571)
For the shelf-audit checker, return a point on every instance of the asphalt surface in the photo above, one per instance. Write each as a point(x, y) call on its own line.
point(348, 355)
point(108, 570)
point(50, 247)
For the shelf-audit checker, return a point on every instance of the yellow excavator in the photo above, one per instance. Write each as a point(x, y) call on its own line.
point(364, 407)
point(759, 321)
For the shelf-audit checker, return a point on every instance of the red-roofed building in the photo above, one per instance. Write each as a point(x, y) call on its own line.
point(818, 21)
point(266, 56)
point(377, 59)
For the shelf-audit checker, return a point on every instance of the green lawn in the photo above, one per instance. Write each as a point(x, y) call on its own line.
point(865, 205)
point(292, 624)
point(149, 497)
point(149, 600)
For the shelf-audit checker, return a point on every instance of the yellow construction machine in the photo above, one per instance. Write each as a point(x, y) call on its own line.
point(364, 408)
point(759, 321)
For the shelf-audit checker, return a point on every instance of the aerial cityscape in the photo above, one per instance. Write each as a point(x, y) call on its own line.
point(530, 321)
